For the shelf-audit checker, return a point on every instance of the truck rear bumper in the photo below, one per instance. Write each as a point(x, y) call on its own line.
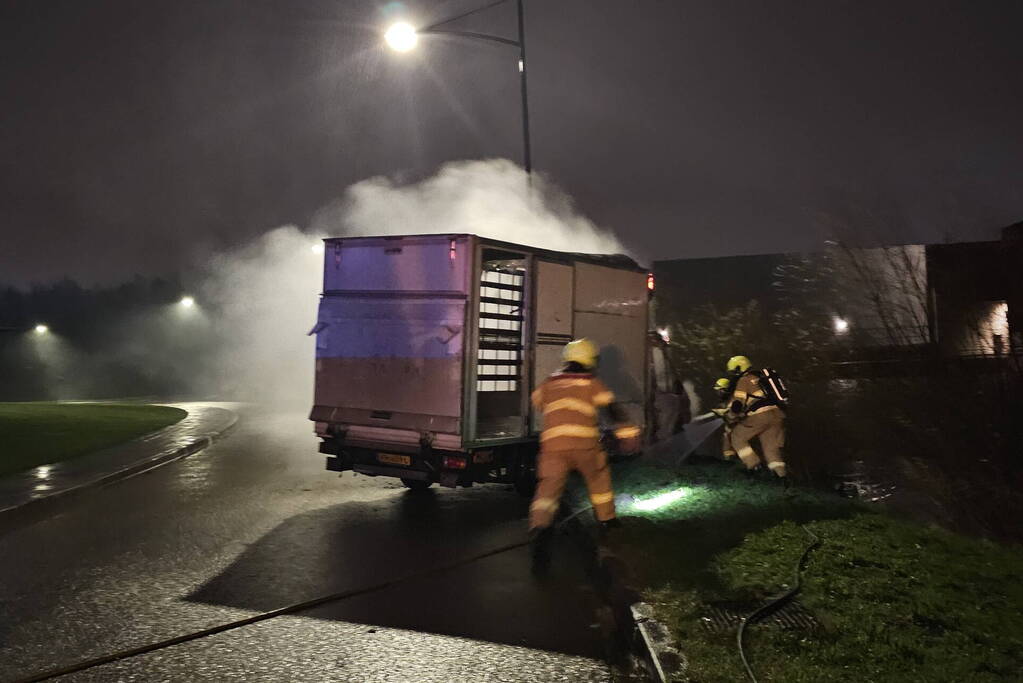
point(337, 465)
point(449, 468)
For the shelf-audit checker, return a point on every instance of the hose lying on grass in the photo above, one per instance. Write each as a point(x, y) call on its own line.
point(777, 602)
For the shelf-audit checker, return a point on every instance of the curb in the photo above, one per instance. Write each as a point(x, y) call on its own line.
point(139, 467)
point(649, 640)
point(659, 650)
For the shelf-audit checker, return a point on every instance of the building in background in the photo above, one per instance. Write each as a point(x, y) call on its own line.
point(956, 300)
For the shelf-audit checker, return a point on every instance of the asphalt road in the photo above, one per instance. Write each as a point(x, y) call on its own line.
point(254, 523)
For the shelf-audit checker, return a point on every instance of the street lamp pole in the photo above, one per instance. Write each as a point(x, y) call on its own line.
point(527, 155)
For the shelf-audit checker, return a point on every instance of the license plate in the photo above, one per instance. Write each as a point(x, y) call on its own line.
point(392, 459)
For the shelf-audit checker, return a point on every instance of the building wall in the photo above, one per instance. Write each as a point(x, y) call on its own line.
point(969, 290)
point(966, 299)
point(1012, 250)
point(883, 295)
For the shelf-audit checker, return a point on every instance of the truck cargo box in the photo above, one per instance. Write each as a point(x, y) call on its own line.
point(436, 341)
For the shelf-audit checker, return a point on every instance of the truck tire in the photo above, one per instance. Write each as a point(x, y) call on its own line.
point(416, 484)
point(523, 473)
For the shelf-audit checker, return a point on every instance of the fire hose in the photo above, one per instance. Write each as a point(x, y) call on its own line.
point(777, 602)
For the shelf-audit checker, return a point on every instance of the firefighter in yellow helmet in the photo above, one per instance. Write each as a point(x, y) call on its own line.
point(754, 413)
point(723, 391)
point(570, 402)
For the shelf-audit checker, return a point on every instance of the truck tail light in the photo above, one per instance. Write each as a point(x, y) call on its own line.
point(452, 462)
point(650, 281)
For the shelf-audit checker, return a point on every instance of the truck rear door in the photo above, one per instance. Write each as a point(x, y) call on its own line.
point(390, 336)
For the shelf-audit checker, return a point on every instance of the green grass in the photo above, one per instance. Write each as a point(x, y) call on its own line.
point(897, 601)
point(33, 434)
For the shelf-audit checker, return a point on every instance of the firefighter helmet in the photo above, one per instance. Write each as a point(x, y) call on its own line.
point(738, 364)
point(581, 351)
point(722, 384)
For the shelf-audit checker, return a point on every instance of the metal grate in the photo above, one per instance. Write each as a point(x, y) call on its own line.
point(502, 285)
point(725, 616)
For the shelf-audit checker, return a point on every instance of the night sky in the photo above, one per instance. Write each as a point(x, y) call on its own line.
point(135, 135)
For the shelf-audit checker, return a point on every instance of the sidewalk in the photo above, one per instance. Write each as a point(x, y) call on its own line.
point(204, 423)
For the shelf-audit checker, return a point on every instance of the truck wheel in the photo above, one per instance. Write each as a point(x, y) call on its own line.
point(416, 484)
point(524, 475)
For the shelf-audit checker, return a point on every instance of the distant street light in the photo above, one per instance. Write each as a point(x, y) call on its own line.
point(841, 325)
point(187, 302)
point(42, 329)
point(402, 37)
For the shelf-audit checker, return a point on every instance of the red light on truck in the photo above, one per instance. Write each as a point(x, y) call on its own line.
point(650, 281)
point(451, 250)
point(451, 462)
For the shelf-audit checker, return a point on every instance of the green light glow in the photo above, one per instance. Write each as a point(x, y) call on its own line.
point(660, 501)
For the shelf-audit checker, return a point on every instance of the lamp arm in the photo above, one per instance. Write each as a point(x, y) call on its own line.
point(470, 34)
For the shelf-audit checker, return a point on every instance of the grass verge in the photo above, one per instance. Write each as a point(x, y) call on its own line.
point(33, 434)
point(896, 601)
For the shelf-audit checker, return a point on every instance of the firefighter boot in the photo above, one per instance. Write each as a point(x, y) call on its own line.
point(540, 548)
point(607, 526)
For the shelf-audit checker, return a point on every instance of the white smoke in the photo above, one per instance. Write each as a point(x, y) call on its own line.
point(262, 298)
point(492, 198)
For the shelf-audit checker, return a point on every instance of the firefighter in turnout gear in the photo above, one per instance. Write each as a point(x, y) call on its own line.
point(723, 391)
point(570, 402)
point(755, 410)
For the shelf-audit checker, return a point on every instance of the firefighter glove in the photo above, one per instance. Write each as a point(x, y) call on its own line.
point(628, 439)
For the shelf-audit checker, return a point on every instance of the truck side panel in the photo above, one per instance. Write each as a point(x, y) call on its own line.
point(611, 309)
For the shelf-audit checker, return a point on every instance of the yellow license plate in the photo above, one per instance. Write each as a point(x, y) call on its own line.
point(392, 459)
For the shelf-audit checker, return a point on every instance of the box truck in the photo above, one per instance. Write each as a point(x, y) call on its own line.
point(429, 346)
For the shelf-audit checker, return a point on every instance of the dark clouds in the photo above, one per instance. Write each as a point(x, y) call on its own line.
point(135, 135)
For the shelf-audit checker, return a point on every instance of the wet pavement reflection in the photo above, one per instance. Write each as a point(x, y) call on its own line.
point(203, 419)
point(254, 523)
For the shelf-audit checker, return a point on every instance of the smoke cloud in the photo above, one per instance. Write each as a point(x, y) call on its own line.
point(493, 198)
point(261, 301)
point(245, 338)
point(265, 295)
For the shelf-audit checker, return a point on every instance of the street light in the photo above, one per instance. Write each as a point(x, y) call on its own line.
point(41, 329)
point(403, 37)
point(841, 325)
point(187, 302)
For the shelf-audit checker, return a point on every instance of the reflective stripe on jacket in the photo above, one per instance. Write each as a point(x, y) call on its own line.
point(569, 403)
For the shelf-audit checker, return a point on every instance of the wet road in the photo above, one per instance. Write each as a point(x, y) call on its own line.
point(254, 523)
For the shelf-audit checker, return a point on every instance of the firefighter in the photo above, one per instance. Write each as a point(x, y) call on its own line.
point(755, 414)
point(570, 402)
point(723, 391)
